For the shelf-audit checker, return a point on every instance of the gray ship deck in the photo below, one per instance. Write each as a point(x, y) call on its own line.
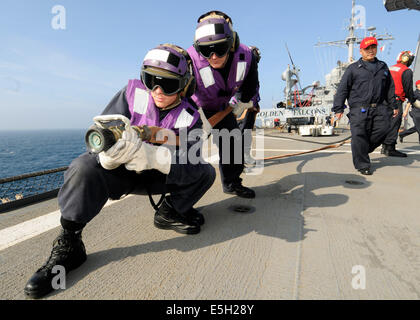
point(310, 228)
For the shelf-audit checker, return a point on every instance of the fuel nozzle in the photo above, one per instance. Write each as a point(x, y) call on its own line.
point(108, 129)
point(99, 139)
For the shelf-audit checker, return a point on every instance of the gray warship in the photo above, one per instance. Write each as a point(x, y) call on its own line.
point(317, 230)
point(312, 104)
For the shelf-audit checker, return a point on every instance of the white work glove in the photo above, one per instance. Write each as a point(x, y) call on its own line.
point(122, 151)
point(240, 107)
point(206, 125)
point(151, 157)
point(417, 103)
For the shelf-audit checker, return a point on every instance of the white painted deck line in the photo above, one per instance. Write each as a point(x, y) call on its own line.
point(31, 228)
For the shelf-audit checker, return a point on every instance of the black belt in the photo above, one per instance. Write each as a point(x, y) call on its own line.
point(364, 105)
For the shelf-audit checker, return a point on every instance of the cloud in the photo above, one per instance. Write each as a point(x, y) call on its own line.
point(10, 85)
point(17, 52)
point(12, 66)
point(35, 59)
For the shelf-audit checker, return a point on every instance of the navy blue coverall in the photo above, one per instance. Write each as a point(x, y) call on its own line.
point(369, 89)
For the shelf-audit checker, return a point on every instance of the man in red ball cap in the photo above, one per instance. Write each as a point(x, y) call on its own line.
point(368, 87)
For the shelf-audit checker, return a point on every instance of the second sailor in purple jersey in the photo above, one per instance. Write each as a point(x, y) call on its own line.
point(223, 68)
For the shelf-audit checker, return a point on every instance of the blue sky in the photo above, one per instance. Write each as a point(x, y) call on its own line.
point(62, 78)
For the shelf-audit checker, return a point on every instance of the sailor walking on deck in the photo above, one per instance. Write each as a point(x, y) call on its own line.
point(414, 113)
point(368, 86)
point(403, 81)
point(224, 67)
point(160, 98)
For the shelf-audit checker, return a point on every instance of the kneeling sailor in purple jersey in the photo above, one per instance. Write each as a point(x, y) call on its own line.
point(132, 166)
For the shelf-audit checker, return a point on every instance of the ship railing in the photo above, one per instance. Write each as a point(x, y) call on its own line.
point(22, 190)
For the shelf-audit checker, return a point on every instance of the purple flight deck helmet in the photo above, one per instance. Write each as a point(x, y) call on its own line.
point(166, 66)
point(214, 30)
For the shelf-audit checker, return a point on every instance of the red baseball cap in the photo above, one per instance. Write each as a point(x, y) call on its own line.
point(417, 82)
point(366, 42)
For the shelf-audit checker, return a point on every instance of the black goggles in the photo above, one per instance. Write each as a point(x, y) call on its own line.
point(169, 86)
point(220, 49)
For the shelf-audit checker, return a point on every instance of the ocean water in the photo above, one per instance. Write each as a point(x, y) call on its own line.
point(32, 151)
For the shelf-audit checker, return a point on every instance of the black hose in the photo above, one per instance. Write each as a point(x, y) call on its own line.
point(301, 140)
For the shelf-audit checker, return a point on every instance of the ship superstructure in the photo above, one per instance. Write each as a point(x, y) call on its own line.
point(317, 99)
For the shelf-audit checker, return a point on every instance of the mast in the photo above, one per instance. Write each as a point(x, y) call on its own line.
point(352, 39)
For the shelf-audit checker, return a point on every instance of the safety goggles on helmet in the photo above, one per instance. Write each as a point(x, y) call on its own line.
point(168, 85)
point(406, 57)
point(219, 48)
point(168, 58)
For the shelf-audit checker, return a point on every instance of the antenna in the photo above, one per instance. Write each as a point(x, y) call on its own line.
point(295, 70)
point(352, 39)
point(291, 60)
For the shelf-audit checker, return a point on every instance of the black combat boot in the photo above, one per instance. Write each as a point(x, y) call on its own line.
point(389, 150)
point(366, 171)
point(238, 189)
point(167, 218)
point(68, 251)
point(194, 216)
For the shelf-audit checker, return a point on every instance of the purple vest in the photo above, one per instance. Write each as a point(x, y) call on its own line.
point(210, 82)
point(144, 111)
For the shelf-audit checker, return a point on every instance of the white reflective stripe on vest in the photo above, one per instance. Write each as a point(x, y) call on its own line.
point(240, 71)
point(184, 120)
point(394, 68)
point(141, 101)
point(207, 77)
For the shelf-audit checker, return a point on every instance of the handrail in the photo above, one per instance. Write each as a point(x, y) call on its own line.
point(15, 192)
point(31, 175)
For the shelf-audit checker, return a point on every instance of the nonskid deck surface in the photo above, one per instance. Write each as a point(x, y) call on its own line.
point(317, 230)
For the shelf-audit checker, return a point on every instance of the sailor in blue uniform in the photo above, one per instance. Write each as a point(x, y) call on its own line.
point(161, 98)
point(368, 86)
